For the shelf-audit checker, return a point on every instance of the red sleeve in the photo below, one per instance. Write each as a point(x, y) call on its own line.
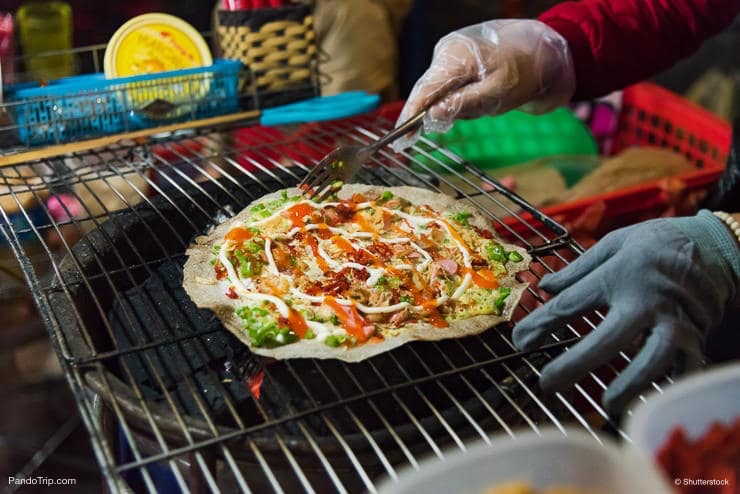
point(619, 42)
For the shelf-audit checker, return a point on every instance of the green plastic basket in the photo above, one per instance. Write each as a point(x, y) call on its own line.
point(509, 139)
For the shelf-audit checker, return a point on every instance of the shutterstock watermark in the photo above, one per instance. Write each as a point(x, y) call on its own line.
point(40, 481)
point(718, 482)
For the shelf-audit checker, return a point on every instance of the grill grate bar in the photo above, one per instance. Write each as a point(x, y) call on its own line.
point(331, 426)
point(204, 172)
point(534, 397)
point(503, 392)
point(296, 468)
point(527, 390)
point(82, 362)
point(401, 444)
point(75, 381)
point(472, 388)
point(408, 411)
point(198, 455)
point(560, 397)
point(224, 437)
point(359, 469)
point(266, 159)
point(262, 170)
point(141, 194)
point(447, 392)
point(294, 465)
point(366, 421)
point(130, 437)
point(429, 404)
point(322, 458)
point(375, 447)
point(378, 452)
point(266, 468)
point(189, 181)
point(242, 483)
point(125, 429)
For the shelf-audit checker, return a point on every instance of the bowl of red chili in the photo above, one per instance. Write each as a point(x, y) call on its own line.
point(692, 431)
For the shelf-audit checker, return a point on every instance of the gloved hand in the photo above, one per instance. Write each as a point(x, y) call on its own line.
point(491, 68)
point(671, 279)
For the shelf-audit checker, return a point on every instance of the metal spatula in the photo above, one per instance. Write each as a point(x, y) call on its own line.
point(342, 164)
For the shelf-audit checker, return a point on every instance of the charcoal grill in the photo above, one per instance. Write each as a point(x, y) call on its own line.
point(153, 374)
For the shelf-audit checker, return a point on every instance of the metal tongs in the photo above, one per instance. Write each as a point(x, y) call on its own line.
point(342, 164)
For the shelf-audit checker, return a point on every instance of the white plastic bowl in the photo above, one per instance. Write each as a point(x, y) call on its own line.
point(693, 403)
point(546, 460)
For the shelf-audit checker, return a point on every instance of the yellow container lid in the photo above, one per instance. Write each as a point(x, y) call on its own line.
point(152, 43)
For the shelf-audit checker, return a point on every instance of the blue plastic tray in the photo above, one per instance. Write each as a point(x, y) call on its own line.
point(90, 105)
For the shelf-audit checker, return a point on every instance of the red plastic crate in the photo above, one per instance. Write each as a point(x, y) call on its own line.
point(653, 116)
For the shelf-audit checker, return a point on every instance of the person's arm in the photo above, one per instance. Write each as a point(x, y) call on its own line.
point(615, 43)
point(576, 50)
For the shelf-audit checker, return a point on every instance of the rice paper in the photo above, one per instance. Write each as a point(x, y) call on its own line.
point(201, 283)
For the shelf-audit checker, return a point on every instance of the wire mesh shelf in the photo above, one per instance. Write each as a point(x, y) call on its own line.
point(157, 381)
point(35, 113)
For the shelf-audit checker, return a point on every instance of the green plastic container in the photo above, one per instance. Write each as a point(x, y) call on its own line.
point(509, 139)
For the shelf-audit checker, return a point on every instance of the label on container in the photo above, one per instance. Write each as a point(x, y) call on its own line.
point(153, 43)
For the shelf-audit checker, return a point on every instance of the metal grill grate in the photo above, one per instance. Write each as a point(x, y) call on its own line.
point(158, 381)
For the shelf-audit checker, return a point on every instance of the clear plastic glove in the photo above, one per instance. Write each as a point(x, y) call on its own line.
point(491, 68)
point(670, 279)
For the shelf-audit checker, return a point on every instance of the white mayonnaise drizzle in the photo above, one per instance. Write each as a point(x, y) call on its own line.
point(322, 330)
point(270, 261)
point(375, 273)
point(418, 220)
point(427, 258)
point(230, 271)
point(463, 286)
point(281, 306)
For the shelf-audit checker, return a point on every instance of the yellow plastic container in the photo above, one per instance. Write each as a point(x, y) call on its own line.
point(153, 43)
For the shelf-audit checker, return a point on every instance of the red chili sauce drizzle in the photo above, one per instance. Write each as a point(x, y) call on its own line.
point(356, 325)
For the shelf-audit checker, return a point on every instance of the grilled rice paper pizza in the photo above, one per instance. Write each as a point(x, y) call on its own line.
point(363, 272)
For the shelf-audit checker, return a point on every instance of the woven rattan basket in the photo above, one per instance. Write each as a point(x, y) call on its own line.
point(278, 45)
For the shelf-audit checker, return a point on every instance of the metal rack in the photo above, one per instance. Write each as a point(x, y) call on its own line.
point(160, 381)
point(94, 107)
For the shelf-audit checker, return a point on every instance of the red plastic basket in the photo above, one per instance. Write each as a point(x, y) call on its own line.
point(653, 116)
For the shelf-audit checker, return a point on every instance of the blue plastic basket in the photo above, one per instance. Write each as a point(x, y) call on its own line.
point(90, 105)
